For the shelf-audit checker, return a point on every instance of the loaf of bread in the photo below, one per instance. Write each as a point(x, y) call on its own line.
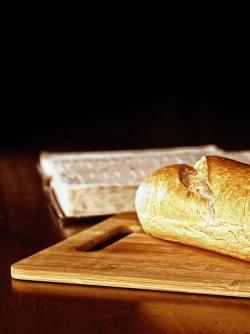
point(206, 206)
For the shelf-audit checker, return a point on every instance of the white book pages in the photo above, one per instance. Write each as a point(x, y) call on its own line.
point(107, 181)
point(124, 167)
point(242, 156)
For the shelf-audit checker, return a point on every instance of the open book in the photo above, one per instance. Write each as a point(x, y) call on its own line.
point(104, 183)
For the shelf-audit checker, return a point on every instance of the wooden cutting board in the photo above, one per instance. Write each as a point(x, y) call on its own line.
point(136, 261)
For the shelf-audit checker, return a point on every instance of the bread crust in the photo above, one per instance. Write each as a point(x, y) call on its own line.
point(205, 206)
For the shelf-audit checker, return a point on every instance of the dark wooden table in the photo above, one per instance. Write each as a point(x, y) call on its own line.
point(28, 225)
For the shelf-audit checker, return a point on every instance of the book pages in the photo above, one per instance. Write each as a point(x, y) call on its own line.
point(102, 183)
point(130, 167)
point(242, 156)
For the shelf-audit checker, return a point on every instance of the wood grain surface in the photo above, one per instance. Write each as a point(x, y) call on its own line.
point(29, 225)
point(137, 261)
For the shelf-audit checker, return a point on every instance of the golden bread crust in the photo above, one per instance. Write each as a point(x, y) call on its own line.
point(206, 206)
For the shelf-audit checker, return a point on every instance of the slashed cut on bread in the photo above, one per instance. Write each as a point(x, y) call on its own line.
point(206, 206)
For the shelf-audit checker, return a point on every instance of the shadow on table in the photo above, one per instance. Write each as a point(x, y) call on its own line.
point(97, 309)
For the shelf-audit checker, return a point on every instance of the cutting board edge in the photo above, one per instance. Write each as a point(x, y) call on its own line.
point(125, 282)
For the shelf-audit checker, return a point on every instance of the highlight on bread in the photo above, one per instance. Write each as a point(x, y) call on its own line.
point(206, 206)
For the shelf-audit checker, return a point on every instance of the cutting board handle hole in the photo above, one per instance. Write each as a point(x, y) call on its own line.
point(104, 240)
point(108, 242)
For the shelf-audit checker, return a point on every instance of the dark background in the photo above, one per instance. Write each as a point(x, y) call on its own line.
point(129, 115)
point(72, 95)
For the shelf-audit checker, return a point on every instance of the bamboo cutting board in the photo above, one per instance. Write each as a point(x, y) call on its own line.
point(136, 261)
